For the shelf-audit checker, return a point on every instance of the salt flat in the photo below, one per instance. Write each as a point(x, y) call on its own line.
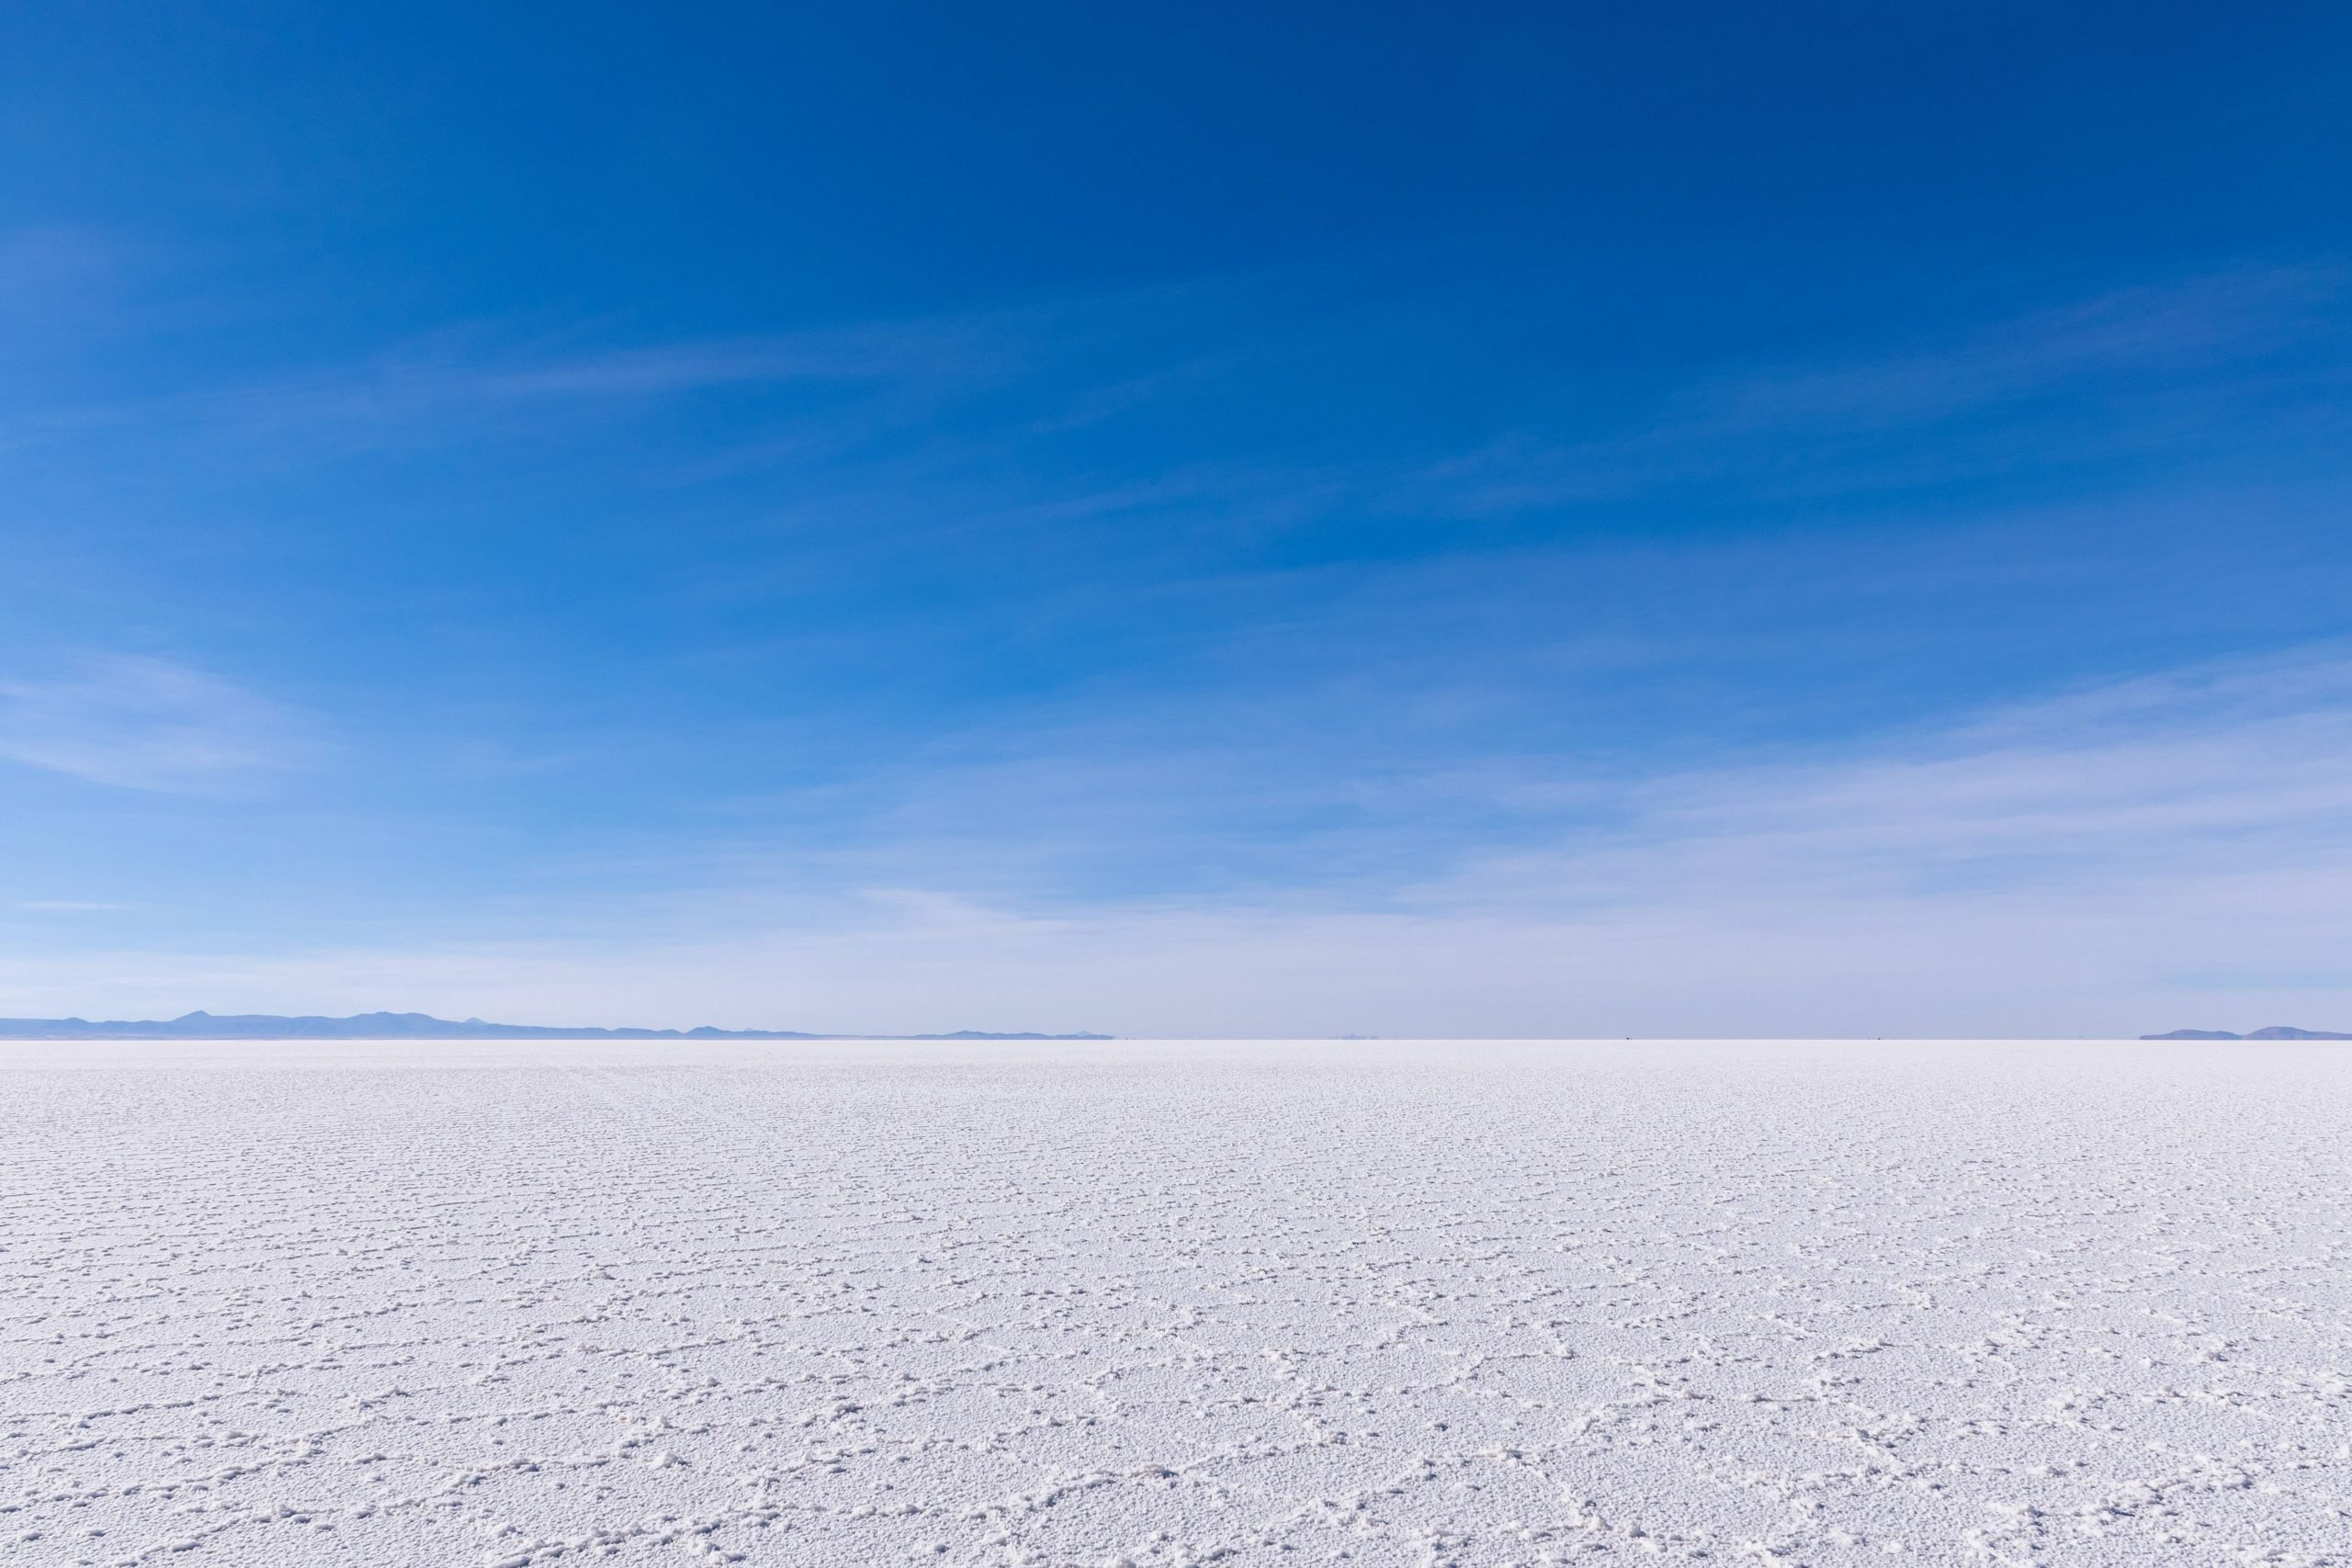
point(1152, 1303)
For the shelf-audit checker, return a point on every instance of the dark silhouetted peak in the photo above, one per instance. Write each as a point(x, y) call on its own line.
point(2276, 1031)
point(203, 1025)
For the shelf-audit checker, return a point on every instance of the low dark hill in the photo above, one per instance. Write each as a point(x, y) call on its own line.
point(413, 1026)
point(2276, 1031)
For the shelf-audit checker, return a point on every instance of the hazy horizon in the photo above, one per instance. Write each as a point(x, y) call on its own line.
point(201, 1024)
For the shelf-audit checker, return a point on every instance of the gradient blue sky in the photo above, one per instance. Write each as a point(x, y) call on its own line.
point(1823, 518)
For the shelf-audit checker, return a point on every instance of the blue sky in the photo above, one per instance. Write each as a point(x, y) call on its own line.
point(1526, 520)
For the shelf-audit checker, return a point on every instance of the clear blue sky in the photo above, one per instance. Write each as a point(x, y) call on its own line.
point(1547, 519)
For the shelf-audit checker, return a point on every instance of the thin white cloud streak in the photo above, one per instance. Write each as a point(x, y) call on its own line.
point(2146, 855)
point(46, 269)
point(2189, 354)
point(2195, 324)
point(139, 723)
point(2202, 771)
point(466, 384)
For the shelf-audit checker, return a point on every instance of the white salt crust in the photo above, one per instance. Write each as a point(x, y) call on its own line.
point(1152, 1303)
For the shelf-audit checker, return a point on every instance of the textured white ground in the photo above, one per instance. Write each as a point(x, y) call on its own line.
point(1143, 1303)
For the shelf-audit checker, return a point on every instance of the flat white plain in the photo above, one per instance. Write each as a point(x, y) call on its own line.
point(1158, 1303)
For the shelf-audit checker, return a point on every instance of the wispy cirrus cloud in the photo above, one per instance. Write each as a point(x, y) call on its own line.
point(487, 380)
point(2218, 770)
point(2179, 367)
point(915, 415)
point(141, 723)
point(2128, 856)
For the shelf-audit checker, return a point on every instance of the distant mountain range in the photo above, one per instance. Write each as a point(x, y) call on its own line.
point(414, 1026)
point(2276, 1031)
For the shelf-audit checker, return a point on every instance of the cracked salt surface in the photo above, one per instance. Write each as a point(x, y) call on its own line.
point(1147, 1303)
